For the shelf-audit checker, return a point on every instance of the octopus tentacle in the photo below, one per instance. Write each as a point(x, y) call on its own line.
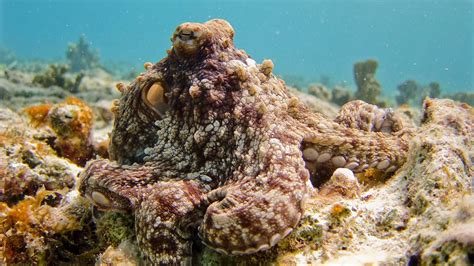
point(113, 186)
point(165, 220)
point(256, 212)
point(368, 117)
point(332, 146)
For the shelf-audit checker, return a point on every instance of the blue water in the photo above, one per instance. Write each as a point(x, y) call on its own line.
point(422, 40)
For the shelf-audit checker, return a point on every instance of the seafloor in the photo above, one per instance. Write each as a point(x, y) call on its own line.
point(52, 123)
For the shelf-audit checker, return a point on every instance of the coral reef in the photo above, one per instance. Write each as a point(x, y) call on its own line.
point(55, 76)
point(209, 137)
point(16, 96)
point(455, 245)
point(80, 56)
point(368, 88)
point(32, 229)
point(434, 90)
point(17, 91)
point(71, 122)
point(40, 216)
point(412, 93)
point(27, 162)
point(125, 254)
point(419, 215)
point(341, 95)
point(320, 91)
point(464, 97)
point(407, 90)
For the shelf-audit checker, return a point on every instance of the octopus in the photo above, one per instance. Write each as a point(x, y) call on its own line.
point(208, 145)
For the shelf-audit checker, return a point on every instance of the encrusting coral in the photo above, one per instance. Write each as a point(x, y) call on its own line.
point(39, 212)
point(27, 228)
point(27, 162)
point(71, 122)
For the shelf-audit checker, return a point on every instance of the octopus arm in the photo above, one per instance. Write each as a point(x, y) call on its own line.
point(165, 220)
point(113, 186)
point(254, 213)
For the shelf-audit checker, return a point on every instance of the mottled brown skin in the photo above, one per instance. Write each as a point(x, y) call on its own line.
point(207, 139)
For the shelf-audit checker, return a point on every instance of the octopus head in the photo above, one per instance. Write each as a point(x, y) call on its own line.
point(189, 39)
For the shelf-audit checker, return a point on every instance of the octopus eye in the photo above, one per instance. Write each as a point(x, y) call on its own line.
point(186, 35)
point(100, 199)
point(188, 39)
point(154, 97)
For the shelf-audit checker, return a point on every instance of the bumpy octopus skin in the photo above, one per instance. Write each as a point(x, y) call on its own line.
point(207, 140)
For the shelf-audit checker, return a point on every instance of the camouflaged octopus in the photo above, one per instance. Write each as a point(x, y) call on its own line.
point(207, 142)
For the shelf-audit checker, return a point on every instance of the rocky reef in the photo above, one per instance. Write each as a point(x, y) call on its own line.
point(415, 210)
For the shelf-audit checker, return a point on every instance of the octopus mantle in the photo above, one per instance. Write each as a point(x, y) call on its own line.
point(208, 142)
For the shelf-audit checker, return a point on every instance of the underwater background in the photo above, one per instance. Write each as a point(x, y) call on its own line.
point(79, 97)
point(308, 41)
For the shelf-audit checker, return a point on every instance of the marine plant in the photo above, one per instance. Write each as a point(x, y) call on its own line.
point(412, 93)
point(368, 87)
point(55, 75)
point(465, 97)
point(80, 56)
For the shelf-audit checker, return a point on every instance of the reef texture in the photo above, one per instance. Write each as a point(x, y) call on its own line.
point(71, 122)
point(27, 162)
point(208, 141)
point(39, 211)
